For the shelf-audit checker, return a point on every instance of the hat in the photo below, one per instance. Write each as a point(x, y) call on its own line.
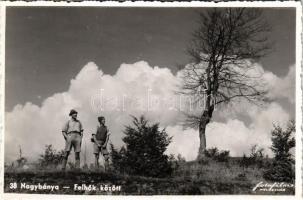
point(100, 118)
point(72, 111)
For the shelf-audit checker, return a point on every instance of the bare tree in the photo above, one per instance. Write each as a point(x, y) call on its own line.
point(224, 49)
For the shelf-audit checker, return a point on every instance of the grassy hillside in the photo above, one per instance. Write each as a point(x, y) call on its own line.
point(191, 178)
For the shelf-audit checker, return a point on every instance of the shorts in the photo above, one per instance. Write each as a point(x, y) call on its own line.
point(73, 140)
point(101, 150)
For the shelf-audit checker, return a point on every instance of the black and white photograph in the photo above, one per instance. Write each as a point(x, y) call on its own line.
point(131, 100)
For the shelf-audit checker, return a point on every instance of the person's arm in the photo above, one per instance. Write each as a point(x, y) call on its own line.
point(95, 138)
point(81, 129)
point(106, 141)
point(64, 130)
point(64, 134)
point(96, 141)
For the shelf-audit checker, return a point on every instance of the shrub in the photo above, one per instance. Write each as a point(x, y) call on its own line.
point(211, 152)
point(256, 158)
point(21, 161)
point(215, 154)
point(282, 168)
point(180, 159)
point(223, 156)
point(51, 158)
point(144, 149)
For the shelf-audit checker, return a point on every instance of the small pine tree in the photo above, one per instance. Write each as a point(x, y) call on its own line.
point(144, 151)
point(282, 142)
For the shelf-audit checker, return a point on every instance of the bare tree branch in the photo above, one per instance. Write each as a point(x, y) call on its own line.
point(224, 49)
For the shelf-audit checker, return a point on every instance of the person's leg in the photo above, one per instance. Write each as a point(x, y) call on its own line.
point(67, 150)
point(106, 158)
point(97, 160)
point(96, 153)
point(65, 157)
point(106, 162)
point(77, 159)
point(77, 148)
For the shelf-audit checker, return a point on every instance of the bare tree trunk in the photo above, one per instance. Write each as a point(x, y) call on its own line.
point(205, 119)
point(202, 136)
point(202, 133)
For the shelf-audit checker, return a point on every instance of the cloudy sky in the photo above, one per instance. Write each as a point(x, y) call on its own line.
point(63, 58)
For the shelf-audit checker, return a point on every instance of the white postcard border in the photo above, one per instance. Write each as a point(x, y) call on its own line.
point(299, 82)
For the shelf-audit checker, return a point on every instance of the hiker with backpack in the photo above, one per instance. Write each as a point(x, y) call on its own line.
point(100, 140)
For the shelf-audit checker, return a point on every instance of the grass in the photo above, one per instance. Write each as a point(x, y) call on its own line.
point(191, 178)
point(223, 172)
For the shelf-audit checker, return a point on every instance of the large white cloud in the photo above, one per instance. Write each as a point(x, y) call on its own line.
point(233, 135)
point(135, 89)
point(282, 87)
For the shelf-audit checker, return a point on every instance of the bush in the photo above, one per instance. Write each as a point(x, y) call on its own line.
point(51, 158)
point(256, 158)
point(283, 164)
point(211, 152)
point(215, 154)
point(144, 149)
point(223, 156)
point(21, 161)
